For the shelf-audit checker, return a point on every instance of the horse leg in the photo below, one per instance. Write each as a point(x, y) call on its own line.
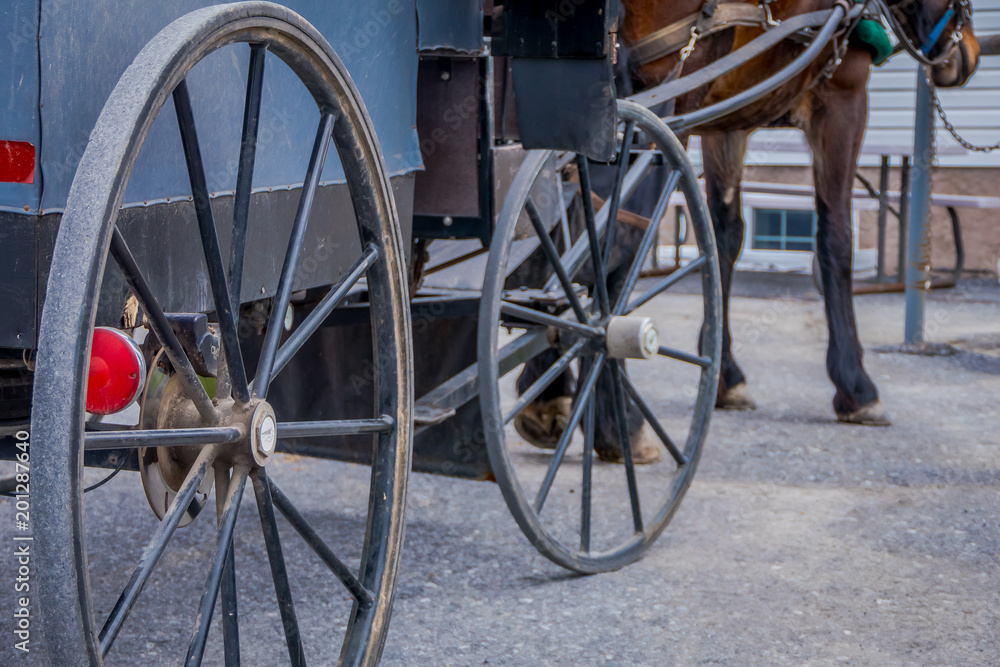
point(835, 125)
point(723, 155)
point(645, 446)
point(543, 421)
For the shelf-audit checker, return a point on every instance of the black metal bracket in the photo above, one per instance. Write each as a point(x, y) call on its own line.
point(200, 343)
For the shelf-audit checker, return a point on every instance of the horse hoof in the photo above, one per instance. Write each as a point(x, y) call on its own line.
point(736, 398)
point(542, 423)
point(873, 414)
point(645, 450)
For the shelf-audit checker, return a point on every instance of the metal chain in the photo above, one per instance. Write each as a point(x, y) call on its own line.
point(839, 51)
point(951, 128)
point(932, 173)
point(840, 45)
point(932, 166)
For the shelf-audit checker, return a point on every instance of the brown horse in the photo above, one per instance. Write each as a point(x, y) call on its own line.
point(829, 102)
point(831, 108)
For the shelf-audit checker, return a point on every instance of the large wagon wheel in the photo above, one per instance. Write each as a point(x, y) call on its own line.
point(229, 437)
point(586, 515)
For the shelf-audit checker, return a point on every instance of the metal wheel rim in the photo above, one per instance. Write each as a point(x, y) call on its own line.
point(520, 505)
point(70, 307)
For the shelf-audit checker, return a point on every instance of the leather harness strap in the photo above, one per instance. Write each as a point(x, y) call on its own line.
point(674, 37)
point(788, 29)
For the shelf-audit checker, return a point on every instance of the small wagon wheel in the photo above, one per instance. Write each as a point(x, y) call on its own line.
point(544, 302)
point(225, 438)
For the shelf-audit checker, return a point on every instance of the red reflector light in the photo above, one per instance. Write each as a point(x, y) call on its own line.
point(117, 372)
point(17, 162)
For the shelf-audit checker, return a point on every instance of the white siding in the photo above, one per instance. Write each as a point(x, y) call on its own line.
point(974, 109)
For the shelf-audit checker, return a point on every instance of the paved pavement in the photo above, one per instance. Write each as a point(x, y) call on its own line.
point(801, 541)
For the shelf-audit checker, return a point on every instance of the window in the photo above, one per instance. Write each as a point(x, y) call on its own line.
point(783, 229)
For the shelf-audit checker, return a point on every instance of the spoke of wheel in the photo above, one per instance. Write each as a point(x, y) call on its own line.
point(154, 549)
point(547, 378)
point(324, 308)
point(230, 510)
point(279, 575)
point(193, 388)
point(579, 405)
point(317, 429)
point(616, 192)
point(230, 612)
point(563, 211)
point(553, 256)
point(666, 283)
point(648, 240)
point(686, 357)
point(180, 437)
point(210, 244)
point(596, 259)
point(653, 421)
point(280, 302)
point(588, 465)
point(633, 488)
point(244, 175)
point(337, 566)
point(538, 317)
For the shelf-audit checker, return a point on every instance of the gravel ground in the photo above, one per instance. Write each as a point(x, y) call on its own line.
point(801, 541)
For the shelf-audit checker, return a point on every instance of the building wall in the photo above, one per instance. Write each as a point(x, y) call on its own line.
point(980, 228)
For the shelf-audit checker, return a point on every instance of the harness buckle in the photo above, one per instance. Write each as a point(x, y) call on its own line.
point(689, 49)
point(768, 17)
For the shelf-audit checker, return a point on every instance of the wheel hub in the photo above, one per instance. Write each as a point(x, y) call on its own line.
point(632, 338)
point(263, 433)
point(163, 469)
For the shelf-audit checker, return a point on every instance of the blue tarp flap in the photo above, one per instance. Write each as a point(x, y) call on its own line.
point(85, 47)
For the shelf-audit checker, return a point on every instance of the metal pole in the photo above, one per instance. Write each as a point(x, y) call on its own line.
point(883, 210)
point(918, 244)
point(904, 216)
